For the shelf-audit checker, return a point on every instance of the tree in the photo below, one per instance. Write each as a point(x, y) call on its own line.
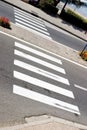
point(64, 6)
point(76, 2)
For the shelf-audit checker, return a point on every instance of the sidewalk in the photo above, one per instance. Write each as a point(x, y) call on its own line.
point(55, 47)
point(46, 122)
point(53, 20)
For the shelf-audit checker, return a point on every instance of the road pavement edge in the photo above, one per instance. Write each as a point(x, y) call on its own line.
point(45, 119)
point(65, 29)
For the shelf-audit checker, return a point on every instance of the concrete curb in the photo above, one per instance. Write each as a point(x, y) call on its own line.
point(45, 119)
point(56, 48)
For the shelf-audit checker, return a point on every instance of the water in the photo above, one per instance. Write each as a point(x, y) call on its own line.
point(82, 9)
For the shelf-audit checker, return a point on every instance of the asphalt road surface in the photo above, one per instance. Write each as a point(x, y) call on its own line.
point(35, 82)
point(36, 25)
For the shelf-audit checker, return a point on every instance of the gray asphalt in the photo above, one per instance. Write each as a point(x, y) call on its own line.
point(13, 108)
point(56, 35)
point(63, 38)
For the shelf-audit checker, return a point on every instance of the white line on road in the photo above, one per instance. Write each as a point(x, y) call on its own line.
point(17, 15)
point(41, 72)
point(45, 99)
point(46, 56)
point(43, 84)
point(31, 26)
point(30, 23)
point(80, 87)
point(14, 37)
point(39, 20)
point(41, 62)
point(34, 31)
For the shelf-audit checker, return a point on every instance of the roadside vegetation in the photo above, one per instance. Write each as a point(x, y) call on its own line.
point(4, 22)
point(49, 6)
point(84, 55)
point(74, 18)
point(68, 15)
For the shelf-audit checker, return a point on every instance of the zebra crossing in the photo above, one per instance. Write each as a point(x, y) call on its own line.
point(43, 70)
point(31, 23)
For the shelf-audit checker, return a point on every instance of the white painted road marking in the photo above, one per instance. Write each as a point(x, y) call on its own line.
point(30, 26)
point(45, 99)
point(27, 20)
point(39, 53)
point(80, 87)
point(44, 63)
point(31, 23)
point(42, 84)
point(34, 31)
point(41, 72)
point(33, 80)
point(30, 18)
point(71, 61)
point(37, 19)
point(43, 50)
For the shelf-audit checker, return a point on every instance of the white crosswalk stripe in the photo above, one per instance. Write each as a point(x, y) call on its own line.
point(42, 64)
point(30, 16)
point(38, 52)
point(41, 71)
point(43, 84)
point(39, 61)
point(31, 23)
point(45, 99)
